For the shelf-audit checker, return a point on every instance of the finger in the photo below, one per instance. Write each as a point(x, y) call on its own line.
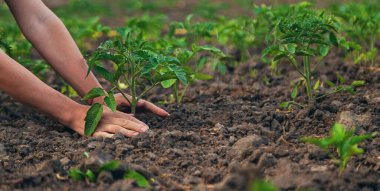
point(152, 108)
point(124, 121)
point(102, 134)
point(118, 129)
point(130, 117)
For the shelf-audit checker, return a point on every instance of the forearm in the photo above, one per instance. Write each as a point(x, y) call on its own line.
point(53, 41)
point(23, 86)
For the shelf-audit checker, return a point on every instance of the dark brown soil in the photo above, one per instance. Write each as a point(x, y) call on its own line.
point(228, 132)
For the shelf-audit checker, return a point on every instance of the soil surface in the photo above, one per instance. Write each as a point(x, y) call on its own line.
point(227, 133)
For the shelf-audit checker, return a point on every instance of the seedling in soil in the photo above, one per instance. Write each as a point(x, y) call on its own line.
point(77, 174)
point(135, 64)
point(308, 36)
point(362, 26)
point(343, 141)
point(186, 56)
point(140, 180)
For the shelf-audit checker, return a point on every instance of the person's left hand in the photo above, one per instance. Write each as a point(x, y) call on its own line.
point(141, 105)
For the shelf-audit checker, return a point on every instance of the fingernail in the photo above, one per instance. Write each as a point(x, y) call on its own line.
point(144, 128)
point(135, 133)
point(169, 114)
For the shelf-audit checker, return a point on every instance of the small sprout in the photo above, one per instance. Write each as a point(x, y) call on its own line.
point(343, 141)
point(141, 181)
point(78, 175)
point(261, 185)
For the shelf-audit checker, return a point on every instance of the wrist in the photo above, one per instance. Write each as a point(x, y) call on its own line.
point(74, 117)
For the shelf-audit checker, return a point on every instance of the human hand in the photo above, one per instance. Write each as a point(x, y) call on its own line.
point(141, 105)
point(110, 123)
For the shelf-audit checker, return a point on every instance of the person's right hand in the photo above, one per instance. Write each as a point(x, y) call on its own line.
point(110, 124)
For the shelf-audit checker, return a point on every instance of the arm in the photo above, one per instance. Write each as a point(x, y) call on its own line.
point(59, 49)
point(52, 40)
point(23, 86)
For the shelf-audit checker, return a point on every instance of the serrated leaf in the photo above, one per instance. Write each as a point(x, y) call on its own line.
point(141, 181)
point(110, 101)
point(92, 119)
point(179, 72)
point(95, 92)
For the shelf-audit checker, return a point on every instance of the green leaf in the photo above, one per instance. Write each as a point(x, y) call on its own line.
point(358, 83)
point(76, 174)
point(208, 48)
point(294, 93)
point(323, 50)
point(292, 48)
point(179, 72)
point(140, 179)
point(90, 176)
point(168, 83)
point(316, 85)
point(104, 73)
point(279, 56)
point(110, 101)
point(92, 119)
point(109, 166)
point(263, 186)
point(95, 92)
point(201, 76)
point(333, 39)
point(330, 83)
point(284, 105)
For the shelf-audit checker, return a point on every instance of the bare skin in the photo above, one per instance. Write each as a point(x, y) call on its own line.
point(53, 41)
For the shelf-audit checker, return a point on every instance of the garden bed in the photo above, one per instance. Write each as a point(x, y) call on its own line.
point(227, 133)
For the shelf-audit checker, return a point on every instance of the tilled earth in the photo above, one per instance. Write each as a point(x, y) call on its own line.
point(227, 133)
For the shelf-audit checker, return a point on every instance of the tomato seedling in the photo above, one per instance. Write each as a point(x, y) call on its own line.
point(305, 36)
point(362, 27)
point(137, 66)
point(343, 141)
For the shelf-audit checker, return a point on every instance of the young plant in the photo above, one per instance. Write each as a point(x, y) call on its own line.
point(362, 27)
point(135, 64)
point(185, 56)
point(305, 36)
point(343, 141)
point(240, 33)
point(79, 175)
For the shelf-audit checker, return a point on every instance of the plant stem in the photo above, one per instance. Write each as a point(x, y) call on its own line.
point(307, 72)
point(175, 92)
point(183, 93)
